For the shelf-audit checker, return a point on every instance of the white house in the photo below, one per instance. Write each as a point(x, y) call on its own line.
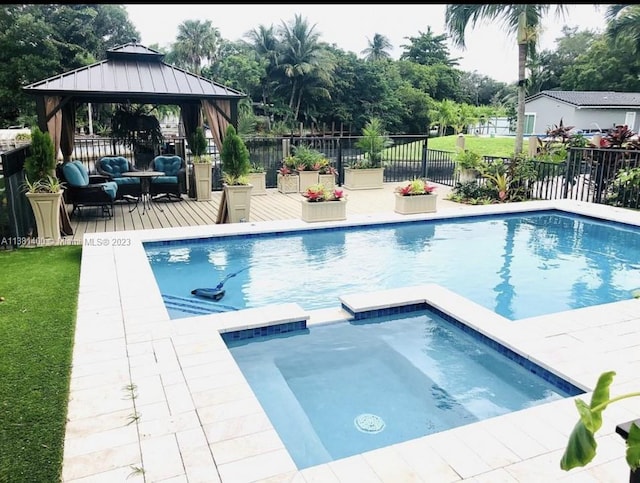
point(589, 111)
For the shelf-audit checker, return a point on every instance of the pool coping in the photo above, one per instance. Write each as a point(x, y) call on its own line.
point(196, 417)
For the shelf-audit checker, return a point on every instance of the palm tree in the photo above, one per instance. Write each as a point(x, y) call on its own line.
point(265, 43)
point(522, 20)
point(303, 60)
point(196, 43)
point(377, 48)
point(624, 23)
point(443, 114)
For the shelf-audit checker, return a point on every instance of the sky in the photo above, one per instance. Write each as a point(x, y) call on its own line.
point(490, 50)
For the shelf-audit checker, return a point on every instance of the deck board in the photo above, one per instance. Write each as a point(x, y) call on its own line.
point(189, 212)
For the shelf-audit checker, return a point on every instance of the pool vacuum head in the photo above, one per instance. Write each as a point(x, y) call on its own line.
point(208, 293)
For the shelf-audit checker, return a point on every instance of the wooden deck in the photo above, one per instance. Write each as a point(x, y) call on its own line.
point(189, 212)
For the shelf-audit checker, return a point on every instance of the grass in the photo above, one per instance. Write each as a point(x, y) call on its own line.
point(485, 146)
point(38, 302)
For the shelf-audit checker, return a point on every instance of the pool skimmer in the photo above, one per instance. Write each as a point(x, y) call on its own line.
point(369, 423)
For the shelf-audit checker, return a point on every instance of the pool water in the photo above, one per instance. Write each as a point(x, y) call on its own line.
point(518, 265)
point(340, 389)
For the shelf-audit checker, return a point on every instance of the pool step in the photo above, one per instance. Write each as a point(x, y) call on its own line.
point(194, 305)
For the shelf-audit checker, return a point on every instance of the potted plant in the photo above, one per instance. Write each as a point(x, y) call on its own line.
point(258, 179)
point(235, 176)
point(288, 179)
point(307, 163)
point(322, 204)
point(581, 447)
point(201, 164)
point(368, 171)
point(415, 196)
point(468, 164)
point(42, 188)
point(327, 174)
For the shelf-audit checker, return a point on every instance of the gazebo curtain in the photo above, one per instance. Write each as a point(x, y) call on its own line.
point(68, 131)
point(54, 120)
point(61, 125)
point(191, 115)
point(219, 115)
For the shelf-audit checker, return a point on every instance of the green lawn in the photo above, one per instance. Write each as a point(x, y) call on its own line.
point(485, 146)
point(38, 302)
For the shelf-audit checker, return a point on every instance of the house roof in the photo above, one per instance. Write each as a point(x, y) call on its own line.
point(597, 99)
point(132, 73)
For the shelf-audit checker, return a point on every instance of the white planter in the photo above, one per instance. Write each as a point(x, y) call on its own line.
point(238, 199)
point(467, 175)
point(289, 183)
point(307, 178)
point(324, 210)
point(408, 205)
point(328, 180)
point(363, 179)
point(259, 183)
point(46, 209)
point(202, 172)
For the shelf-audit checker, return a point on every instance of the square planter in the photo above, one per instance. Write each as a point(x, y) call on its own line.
point(238, 202)
point(46, 210)
point(328, 180)
point(202, 174)
point(289, 183)
point(258, 180)
point(363, 179)
point(408, 205)
point(307, 178)
point(324, 210)
point(467, 175)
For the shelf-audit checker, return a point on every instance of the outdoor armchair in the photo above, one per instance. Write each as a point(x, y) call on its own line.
point(81, 189)
point(174, 181)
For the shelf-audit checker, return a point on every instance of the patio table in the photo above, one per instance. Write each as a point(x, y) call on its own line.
point(145, 185)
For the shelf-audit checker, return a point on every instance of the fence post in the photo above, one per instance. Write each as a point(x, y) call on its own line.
point(534, 143)
point(567, 171)
point(339, 162)
point(424, 168)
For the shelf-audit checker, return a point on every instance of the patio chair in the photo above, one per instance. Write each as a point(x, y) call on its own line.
point(82, 190)
point(174, 181)
point(112, 167)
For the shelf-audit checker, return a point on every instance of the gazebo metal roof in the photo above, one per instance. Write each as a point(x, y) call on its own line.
point(132, 73)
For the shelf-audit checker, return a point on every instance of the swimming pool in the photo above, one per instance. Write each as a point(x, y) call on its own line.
point(518, 265)
point(123, 323)
point(340, 389)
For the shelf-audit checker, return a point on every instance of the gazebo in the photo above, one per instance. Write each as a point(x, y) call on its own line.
point(132, 73)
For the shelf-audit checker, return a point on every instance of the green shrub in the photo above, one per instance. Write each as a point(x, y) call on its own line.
point(235, 159)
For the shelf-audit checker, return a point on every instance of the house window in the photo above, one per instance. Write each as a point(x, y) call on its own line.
point(529, 123)
point(630, 120)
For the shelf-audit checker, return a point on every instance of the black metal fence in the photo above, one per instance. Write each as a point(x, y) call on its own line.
point(404, 159)
point(605, 176)
point(16, 218)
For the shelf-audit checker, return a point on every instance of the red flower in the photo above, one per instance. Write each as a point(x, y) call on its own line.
point(428, 188)
point(405, 190)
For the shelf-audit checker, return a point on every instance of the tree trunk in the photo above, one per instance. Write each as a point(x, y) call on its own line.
point(522, 57)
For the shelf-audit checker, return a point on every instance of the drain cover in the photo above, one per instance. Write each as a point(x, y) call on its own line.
point(369, 423)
